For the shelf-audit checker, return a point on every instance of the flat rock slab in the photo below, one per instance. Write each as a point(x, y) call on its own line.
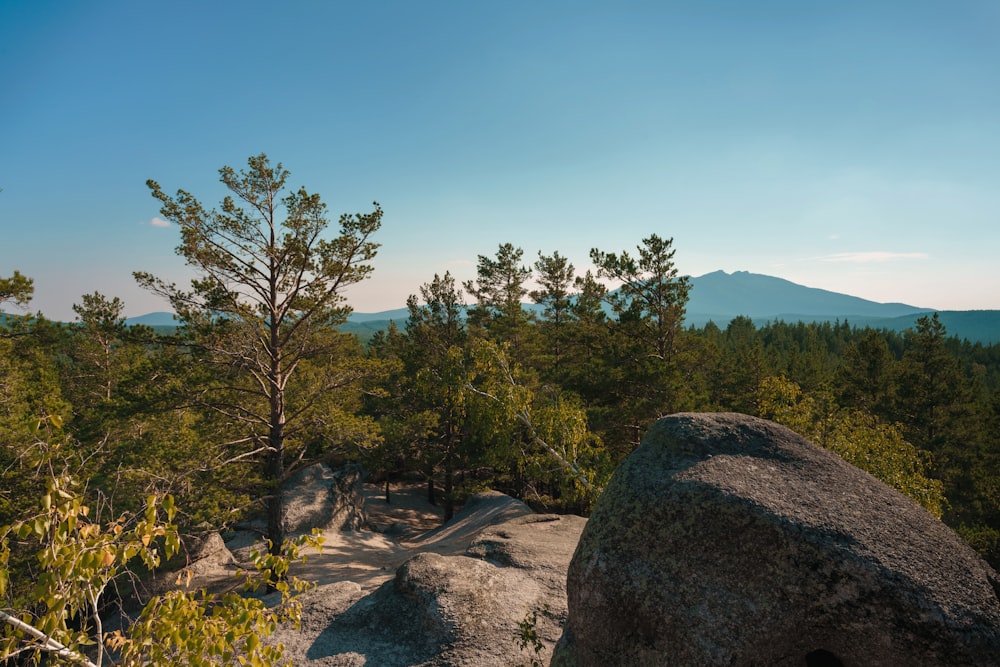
point(729, 540)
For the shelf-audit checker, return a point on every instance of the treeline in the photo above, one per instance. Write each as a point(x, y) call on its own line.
point(475, 391)
point(471, 391)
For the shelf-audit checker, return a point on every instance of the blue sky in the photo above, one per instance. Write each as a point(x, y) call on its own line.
point(853, 146)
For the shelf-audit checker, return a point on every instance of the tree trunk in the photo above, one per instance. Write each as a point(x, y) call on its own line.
point(275, 474)
point(449, 487)
point(275, 504)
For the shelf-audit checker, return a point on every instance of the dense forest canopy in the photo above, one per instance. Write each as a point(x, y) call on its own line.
point(472, 391)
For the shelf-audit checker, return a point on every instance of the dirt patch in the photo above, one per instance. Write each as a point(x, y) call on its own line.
point(407, 516)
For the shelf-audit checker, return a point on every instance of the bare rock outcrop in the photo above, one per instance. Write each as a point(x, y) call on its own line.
point(457, 602)
point(730, 540)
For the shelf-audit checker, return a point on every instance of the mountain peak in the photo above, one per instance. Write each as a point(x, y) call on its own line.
point(760, 296)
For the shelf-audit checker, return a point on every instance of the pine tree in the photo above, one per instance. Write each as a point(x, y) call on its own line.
point(262, 313)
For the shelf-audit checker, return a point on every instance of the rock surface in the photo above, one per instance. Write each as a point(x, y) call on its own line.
point(457, 597)
point(211, 554)
point(729, 540)
point(318, 497)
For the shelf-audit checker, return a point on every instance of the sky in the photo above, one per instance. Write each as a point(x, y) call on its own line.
point(850, 146)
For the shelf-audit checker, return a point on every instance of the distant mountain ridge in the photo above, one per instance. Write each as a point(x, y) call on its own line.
point(158, 319)
point(756, 296)
point(719, 297)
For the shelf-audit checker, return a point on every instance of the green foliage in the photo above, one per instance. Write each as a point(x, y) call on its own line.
point(880, 449)
point(18, 289)
point(742, 366)
point(577, 385)
point(200, 630)
point(644, 378)
point(555, 276)
point(76, 558)
point(524, 425)
point(867, 375)
point(652, 293)
point(499, 288)
point(259, 380)
point(984, 539)
point(527, 637)
point(32, 408)
point(500, 283)
point(932, 392)
point(99, 355)
point(426, 411)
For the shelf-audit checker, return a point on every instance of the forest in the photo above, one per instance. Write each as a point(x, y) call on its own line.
point(195, 429)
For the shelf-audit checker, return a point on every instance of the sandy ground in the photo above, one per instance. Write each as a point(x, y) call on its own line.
point(369, 557)
point(402, 528)
point(406, 526)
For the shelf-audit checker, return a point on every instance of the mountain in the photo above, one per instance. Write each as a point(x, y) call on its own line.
point(975, 326)
point(159, 319)
point(720, 296)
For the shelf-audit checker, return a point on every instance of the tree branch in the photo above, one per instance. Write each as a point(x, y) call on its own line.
point(47, 643)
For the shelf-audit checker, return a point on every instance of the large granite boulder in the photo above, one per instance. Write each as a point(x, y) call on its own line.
point(729, 540)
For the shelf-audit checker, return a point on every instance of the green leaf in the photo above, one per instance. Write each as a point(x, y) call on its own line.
point(168, 506)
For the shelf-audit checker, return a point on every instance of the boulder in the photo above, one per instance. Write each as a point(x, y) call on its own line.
point(348, 503)
point(210, 555)
point(317, 497)
point(729, 540)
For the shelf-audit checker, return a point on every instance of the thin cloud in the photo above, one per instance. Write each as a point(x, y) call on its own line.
point(158, 222)
point(873, 257)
